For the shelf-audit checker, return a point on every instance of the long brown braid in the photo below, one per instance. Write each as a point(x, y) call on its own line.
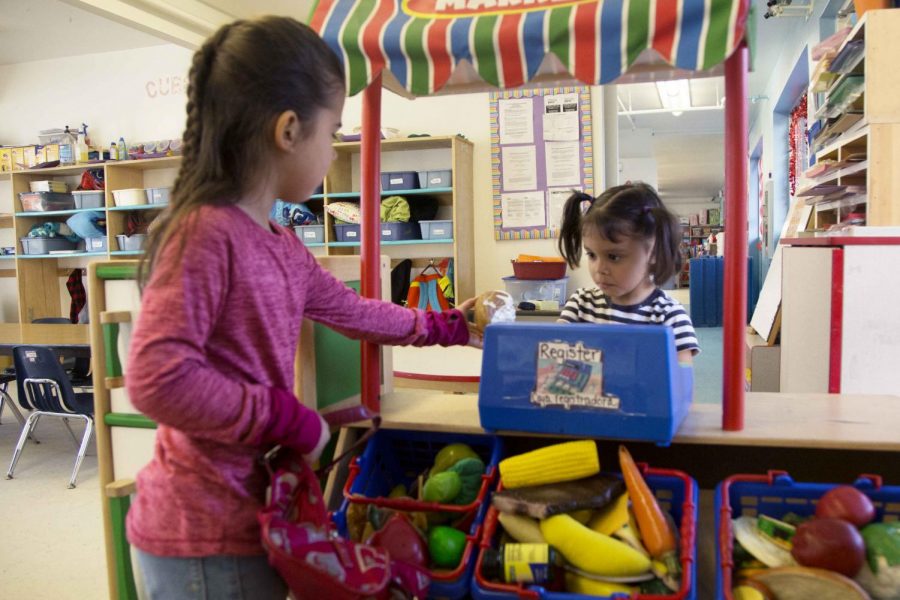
point(241, 79)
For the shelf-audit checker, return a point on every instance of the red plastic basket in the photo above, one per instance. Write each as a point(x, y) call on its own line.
point(687, 492)
point(538, 270)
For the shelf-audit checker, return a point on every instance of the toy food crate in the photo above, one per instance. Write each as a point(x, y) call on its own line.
point(45, 245)
point(445, 583)
point(676, 492)
point(95, 244)
point(88, 198)
point(399, 180)
point(533, 269)
point(526, 290)
point(776, 494)
point(394, 457)
point(437, 230)
point(582, 379)
point(392, 232)
point(44, 201)
point(435, 179)
point(347, 233)
point(310, 234)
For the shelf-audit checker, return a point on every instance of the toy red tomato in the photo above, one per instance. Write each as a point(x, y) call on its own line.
point(846, 503)
point(830, 544)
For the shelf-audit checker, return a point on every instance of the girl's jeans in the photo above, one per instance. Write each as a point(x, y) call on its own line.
point(210, 578)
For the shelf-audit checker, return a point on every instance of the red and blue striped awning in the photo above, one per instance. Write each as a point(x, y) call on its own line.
point(422, 42)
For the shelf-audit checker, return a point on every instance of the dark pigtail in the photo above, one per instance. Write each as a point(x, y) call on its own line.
point(570, 229)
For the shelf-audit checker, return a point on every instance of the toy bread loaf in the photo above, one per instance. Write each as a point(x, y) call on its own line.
point(493, 307)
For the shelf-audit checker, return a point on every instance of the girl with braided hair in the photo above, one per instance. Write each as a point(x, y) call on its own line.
point(224, 293)
point(631, 243)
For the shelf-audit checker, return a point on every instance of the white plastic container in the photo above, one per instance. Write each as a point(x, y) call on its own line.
point(130, 197)
point(526, 290)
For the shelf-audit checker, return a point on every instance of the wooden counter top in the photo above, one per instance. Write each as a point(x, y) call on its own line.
point(848, 422)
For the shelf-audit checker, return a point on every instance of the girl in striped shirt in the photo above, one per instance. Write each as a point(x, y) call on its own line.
point(631, 242)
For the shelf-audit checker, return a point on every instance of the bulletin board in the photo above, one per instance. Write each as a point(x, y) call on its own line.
point(541, 150)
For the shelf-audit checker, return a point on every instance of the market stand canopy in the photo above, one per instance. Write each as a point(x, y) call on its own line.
point(425, 43)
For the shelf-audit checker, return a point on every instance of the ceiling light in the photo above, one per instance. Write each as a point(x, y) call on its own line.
point(674, 94)
point(677, 113)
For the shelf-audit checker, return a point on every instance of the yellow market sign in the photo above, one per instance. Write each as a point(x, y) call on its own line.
point(449, 9)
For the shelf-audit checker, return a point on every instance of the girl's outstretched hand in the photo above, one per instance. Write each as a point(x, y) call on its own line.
point(475, 337)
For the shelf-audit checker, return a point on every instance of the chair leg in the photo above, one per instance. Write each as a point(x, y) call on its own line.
point(85, 439)
point(5, 398)
point(23, 437)
point(71, 433)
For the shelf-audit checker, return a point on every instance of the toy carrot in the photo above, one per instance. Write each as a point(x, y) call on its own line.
point(655, 531)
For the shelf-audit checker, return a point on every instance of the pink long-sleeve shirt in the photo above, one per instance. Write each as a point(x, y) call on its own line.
point(219, 326)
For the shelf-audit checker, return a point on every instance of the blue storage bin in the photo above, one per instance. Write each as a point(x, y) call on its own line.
point(347, 233)
point(392, 232)
point(638, 391)
point(435, 179)
point(776, 494)
point(399, 180)
point(445, 584)
point(395, 457)
point(676, 493)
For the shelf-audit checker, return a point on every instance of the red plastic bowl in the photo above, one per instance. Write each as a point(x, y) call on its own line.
point(539, 270)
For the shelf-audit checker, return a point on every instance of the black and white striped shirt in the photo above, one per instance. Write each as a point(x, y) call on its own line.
point(591, 305)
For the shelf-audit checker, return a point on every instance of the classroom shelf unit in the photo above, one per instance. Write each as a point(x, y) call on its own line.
point(859, 117)
point(41, 292)
point(454, 202)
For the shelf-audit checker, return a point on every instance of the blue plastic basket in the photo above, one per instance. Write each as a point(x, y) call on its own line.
point(776, 494)
point(395, 456)
point(676, 492)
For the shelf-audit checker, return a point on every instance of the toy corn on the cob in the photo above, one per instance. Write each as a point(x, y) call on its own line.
point(559, 462)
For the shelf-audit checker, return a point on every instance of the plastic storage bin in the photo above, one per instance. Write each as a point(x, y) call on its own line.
point(676, 492)
point(445, 583)
point(131, 243)
point(310, 234)
point(95, 244)
point(399, 180)
point(437, 230)
point(523, 290)
point(88, 198)
point(775, 494)
point(394, 457)
point(622, 382)
point(44, 201)
point(435, 179)
point(393, 232)
point(539, 270)
point(46, 245)
point(158, 195)
point(347, 233)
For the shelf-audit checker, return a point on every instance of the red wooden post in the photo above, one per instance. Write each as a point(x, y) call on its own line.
point(735, 292)
point(370, 250)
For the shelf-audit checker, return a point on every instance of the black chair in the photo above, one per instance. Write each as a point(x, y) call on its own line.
point(7, 376)
point(45, 389)
point(78, 367)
